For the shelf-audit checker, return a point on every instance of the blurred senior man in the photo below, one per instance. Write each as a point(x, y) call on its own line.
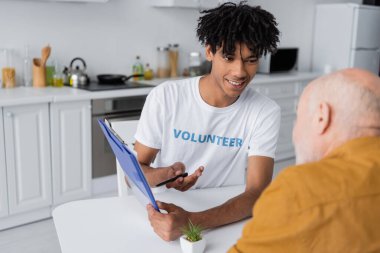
point(329, 201)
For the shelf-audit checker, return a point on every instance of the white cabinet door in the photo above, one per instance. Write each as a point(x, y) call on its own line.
point(366, 30)
point(366, 59)
point(71, 150)
point(3, 175)
point(285, 149)
point(285, 94)
point(204, 4)
point(27, 144)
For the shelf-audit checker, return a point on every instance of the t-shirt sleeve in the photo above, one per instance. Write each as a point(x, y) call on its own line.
point(263, 141)
point(150, 126)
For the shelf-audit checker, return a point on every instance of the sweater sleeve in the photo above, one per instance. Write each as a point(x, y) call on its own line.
point(275, 223)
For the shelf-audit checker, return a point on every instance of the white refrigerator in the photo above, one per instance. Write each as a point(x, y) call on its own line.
point(346, 35)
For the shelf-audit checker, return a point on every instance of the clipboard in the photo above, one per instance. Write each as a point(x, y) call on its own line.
point(129, 164)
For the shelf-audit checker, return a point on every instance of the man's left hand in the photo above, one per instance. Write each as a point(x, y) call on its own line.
point(185, 183)
point(168, 226)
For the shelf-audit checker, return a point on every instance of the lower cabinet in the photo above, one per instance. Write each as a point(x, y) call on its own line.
point(286, 95)
point(28, 164)
point(3, 174)
point(71, 150)
point(45, 159)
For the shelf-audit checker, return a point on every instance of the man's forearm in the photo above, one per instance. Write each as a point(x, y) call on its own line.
point(154, 176)
point(235, 209)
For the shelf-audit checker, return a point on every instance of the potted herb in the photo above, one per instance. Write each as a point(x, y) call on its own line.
point(191, 240)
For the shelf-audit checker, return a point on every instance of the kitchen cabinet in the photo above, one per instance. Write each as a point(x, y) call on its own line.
point(71, 150)
point(45, 158)
point(71, 1)
point(285, 94)
point(28, 164)
point(186, 3)
point(79, 1)
point(3, 174)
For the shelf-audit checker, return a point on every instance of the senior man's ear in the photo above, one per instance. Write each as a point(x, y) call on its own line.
point(324, 114)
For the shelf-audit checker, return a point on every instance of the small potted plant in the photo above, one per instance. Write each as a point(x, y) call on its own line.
point(191, 240)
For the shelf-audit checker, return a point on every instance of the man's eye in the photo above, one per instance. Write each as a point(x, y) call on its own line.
point(252, 60)
point(228, 58)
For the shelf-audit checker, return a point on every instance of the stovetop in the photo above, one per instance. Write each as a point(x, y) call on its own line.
point(94, 86)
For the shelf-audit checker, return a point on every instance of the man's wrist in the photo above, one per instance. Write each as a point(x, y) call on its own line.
point(198, 219)
point(155, 175)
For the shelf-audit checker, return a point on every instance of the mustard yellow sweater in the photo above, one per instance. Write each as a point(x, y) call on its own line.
point(332, 205)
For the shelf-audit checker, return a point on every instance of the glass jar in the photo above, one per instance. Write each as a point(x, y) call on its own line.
point(58, 75)
point(27, 70)
point(173, 58)
point(8, 71)
point(195, 64)
point(163, 67)
point(148, 72)
point(50, 70)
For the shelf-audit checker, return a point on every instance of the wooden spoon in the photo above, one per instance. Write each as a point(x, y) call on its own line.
point(45, 53)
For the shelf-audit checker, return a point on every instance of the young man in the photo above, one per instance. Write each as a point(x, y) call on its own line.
point(214, 125)
point(330, 201)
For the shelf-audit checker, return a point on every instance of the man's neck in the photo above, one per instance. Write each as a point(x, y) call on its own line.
point(338, 140)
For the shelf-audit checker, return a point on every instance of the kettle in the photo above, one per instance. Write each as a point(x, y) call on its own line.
point(78, 76)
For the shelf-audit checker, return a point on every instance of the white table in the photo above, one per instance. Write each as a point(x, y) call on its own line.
point(120, 224)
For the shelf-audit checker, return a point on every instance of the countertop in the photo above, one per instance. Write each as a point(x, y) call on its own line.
point(30, 95)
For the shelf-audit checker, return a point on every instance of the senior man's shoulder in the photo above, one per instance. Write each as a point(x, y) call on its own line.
point(296, 178)
point(286, 195)
point(311, 184)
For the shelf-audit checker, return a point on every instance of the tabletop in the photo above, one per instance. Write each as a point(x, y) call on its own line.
point(120, 224)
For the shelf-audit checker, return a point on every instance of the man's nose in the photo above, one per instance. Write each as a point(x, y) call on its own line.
point(239, 69)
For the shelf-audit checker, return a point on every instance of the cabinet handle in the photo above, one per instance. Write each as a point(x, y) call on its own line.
point(9, 114)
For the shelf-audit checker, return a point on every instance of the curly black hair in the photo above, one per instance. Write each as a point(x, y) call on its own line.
point(231, 23)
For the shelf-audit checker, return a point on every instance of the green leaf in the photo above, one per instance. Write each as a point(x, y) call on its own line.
point(192, 232)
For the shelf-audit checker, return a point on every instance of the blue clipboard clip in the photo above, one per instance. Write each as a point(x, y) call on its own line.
point(129, 164)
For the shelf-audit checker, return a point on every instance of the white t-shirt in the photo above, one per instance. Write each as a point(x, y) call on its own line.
point(177, 121)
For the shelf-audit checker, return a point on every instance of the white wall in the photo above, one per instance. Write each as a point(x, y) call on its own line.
point(109, 36)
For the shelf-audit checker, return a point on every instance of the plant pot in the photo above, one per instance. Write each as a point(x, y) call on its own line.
point(192, 247)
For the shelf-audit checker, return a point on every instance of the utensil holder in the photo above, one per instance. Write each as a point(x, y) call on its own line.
point(39, 73)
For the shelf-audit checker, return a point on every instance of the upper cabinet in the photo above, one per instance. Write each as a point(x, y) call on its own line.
point(67, 1)
point(186, 3)
point(78, 1)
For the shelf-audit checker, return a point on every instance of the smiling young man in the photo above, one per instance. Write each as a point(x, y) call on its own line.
point(214, 127)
